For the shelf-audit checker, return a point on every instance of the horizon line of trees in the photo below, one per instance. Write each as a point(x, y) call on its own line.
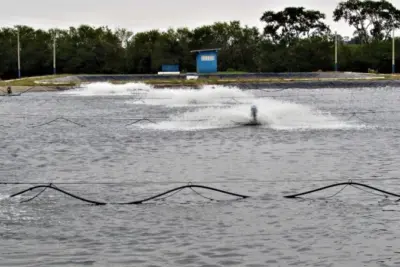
point(294, 39)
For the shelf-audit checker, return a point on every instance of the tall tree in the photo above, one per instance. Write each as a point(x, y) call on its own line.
point(295, 39)
point(372, 20)
point(292, 23)
point(184, 37)
point(36, 50)
point(140, 52)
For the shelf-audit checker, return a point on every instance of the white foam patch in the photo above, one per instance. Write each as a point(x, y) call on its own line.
point(272, 114)
point(4, 197)
point(207, 96)
point(106, 89)
point(217, 107)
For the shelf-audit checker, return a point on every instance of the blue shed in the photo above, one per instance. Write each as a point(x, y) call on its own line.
point(206, 60)
point(170, 68)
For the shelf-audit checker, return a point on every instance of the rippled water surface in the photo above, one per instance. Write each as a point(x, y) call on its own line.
point(91, 142)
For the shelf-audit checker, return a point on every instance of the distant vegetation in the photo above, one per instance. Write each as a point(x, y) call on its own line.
point(294, 39)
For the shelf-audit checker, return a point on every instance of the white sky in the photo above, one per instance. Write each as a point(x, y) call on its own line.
point(137, 15)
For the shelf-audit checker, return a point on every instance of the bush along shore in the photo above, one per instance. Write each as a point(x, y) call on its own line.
point(294, 39)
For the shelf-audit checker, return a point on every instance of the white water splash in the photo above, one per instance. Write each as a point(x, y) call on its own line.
point(212, 111)
point(4, 197)
point(207, 96)
point(217, 107)
point(278, 117)
point(107, 89)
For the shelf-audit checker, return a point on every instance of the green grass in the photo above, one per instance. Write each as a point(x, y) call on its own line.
point(395, 76)
point(217, 81)
point(232, 72)
point(31, 81)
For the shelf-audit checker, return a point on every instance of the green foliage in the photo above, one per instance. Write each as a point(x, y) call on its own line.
point(372, 20)
point(294, 39)
point(292, 23)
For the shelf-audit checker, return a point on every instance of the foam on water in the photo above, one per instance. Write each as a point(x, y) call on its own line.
point(106, 89)
point(278, 116)
point(209, 95)
point(213, 107)
point(210, 110)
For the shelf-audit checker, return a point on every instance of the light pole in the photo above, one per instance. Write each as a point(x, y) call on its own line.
point(54, 55)
point(18, 55)
point(336, 52)
point(393, 54)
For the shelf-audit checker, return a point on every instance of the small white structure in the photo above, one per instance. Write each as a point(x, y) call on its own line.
point(168, 73)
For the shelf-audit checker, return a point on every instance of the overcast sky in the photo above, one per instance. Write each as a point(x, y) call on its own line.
point(140, 15)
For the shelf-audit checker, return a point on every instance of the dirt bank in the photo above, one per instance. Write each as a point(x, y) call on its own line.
point(22, 89)
point(295, 84)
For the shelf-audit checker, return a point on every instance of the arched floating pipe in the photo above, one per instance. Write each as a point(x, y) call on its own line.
point(180, 188)
point(339, 184)
point(59, 190)
point(126, 203)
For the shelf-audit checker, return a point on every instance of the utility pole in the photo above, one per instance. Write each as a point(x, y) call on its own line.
point(393, 54)
point(18, 54)
point(54, 55)
point(336, 52)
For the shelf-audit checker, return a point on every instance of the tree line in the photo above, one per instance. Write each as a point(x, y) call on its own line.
point(293, 39)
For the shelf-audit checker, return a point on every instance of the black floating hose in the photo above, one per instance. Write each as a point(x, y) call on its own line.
point(180, 188)
point(36, 196)
point(126, 203)
point(59, 190)
point(339, 184)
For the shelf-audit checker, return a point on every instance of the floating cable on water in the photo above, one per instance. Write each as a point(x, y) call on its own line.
point(136, 202)
point(203, 196)
point(338, 192)
point(61, 191)
point(369, 192)
point(340, 184)
point(139, 120)
point(57, 119)
point(35, 196)
point(354, 115)
point(176, 190)
point(152, 119)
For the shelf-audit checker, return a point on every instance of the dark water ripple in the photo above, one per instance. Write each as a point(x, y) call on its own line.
point(354, 228)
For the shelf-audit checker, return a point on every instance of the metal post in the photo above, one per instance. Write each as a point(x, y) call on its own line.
point(336, 52)
point(54, 56)
point(393, 54)
point(18, 53)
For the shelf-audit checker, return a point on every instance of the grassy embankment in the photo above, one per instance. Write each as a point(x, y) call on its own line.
point(33, 84)
point(226, 80)
point(39, 83)
point(244, 80)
